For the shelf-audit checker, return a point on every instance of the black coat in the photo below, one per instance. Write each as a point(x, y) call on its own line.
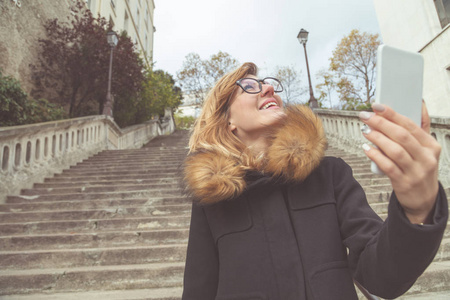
point(289, 241)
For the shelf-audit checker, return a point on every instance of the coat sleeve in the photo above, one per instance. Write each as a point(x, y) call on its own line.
point(385, 257)
point(201, 270)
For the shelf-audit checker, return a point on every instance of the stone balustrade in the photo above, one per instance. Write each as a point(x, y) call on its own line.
point(29, 153)
point(343, 131)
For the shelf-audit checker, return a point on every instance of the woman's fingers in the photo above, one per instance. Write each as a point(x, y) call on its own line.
point(386, 133)
point(384, 163)
point(426, 122)
point(387, 150)
point(401, 130)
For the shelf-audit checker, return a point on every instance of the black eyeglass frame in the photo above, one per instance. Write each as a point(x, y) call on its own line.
point(260, 82)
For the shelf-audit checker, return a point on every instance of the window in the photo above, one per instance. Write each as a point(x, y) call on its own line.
point(137, 21)
point(146, 43)
point(126, 22)
point(111, 21)
point(443, 11)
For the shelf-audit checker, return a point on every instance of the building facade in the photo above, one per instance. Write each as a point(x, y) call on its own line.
point(422, 26)
point(133, 16)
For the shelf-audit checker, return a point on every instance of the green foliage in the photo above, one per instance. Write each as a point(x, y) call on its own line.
point(158, 92)
point(74, 64)
point(184, 122)
point(17, 109)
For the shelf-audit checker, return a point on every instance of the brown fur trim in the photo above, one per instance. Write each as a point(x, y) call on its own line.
point(298, 146)
point(211, 177)
point(296, 149)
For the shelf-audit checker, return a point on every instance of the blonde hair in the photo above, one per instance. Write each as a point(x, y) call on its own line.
point(211, 131)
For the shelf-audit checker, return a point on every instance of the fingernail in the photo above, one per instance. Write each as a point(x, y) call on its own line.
point(365, 129)
point(365, 115)
point(365, 147)
point(378, 107)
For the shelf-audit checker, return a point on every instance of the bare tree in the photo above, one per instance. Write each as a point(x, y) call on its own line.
point(291, 83)
point(354, 62)
point(198, 76)
point(326, 86)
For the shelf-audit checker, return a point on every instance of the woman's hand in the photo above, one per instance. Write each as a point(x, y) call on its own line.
point(408, 155)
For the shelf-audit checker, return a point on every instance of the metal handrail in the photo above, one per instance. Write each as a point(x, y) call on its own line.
point(366, 294)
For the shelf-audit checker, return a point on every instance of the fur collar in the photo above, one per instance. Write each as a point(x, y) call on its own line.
point(296, 149)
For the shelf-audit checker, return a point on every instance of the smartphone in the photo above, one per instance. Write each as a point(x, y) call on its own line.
point(399, 83)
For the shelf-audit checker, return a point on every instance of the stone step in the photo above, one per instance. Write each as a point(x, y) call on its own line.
point(123, 181)
point(60, 241)
point(107, 213)
point(88, 205)
point(145, 150)
point(95, 225)
point(82, 279)
point(427, 296)
point(157, 193)
point(150, 294)
point(101, 189)
point(134, 164)
point(80, 177)
point(124, 172)
point(435, 279)
point(69, 258)
point(124, 159)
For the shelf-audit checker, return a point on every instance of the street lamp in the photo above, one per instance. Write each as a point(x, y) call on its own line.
point(303, 38)
point(112, 41)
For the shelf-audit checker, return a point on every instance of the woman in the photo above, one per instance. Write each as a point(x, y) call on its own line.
point(273, 218)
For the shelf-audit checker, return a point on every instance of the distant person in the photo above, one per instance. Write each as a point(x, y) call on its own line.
point(273, 218)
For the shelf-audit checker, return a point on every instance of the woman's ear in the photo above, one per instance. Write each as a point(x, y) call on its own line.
point(231, 126)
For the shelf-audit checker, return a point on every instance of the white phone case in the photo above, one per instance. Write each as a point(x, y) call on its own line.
point(399, 83)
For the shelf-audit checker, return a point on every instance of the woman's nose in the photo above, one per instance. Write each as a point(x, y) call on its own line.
point(267, 89)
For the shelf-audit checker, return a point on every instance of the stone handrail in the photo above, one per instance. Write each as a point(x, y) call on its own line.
point(343, 131)
point(29, 153)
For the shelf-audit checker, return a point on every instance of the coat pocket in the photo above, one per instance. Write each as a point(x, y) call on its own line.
point(333, 281)
point(228, 217)
point(247, 296)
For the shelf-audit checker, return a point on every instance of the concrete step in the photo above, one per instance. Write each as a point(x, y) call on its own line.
point(121, 238)
point(123, 181)
point(136, 164)
point(82, 279)
point(100, 189)
point(156, 193)
point(173, 293)
point(95, 225)
point(445, 295)
point(89, 205)
point(124, 171)
point(69, 258)
point(97, 160)
point(107, 213)
point(80, 177)
point(435, 279)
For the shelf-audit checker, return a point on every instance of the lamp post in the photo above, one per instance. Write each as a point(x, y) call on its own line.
point(303, 38)
point(112, 41)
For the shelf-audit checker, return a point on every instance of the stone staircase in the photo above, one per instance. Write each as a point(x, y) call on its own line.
point(116, 225)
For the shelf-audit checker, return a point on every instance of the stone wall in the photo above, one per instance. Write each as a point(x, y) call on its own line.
point(20, 29)
point(30, 153)
point(343, 131)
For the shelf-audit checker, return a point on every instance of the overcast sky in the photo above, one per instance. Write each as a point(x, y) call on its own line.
point(260, 31)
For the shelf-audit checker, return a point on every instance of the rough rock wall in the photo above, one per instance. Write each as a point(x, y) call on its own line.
point(20, 29)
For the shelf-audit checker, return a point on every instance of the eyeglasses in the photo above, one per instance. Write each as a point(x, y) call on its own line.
point(254, 86)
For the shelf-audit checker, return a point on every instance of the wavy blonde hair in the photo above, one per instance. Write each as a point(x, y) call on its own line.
point(211, 131)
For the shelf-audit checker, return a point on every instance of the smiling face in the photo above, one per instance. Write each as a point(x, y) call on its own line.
point(252, 115)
